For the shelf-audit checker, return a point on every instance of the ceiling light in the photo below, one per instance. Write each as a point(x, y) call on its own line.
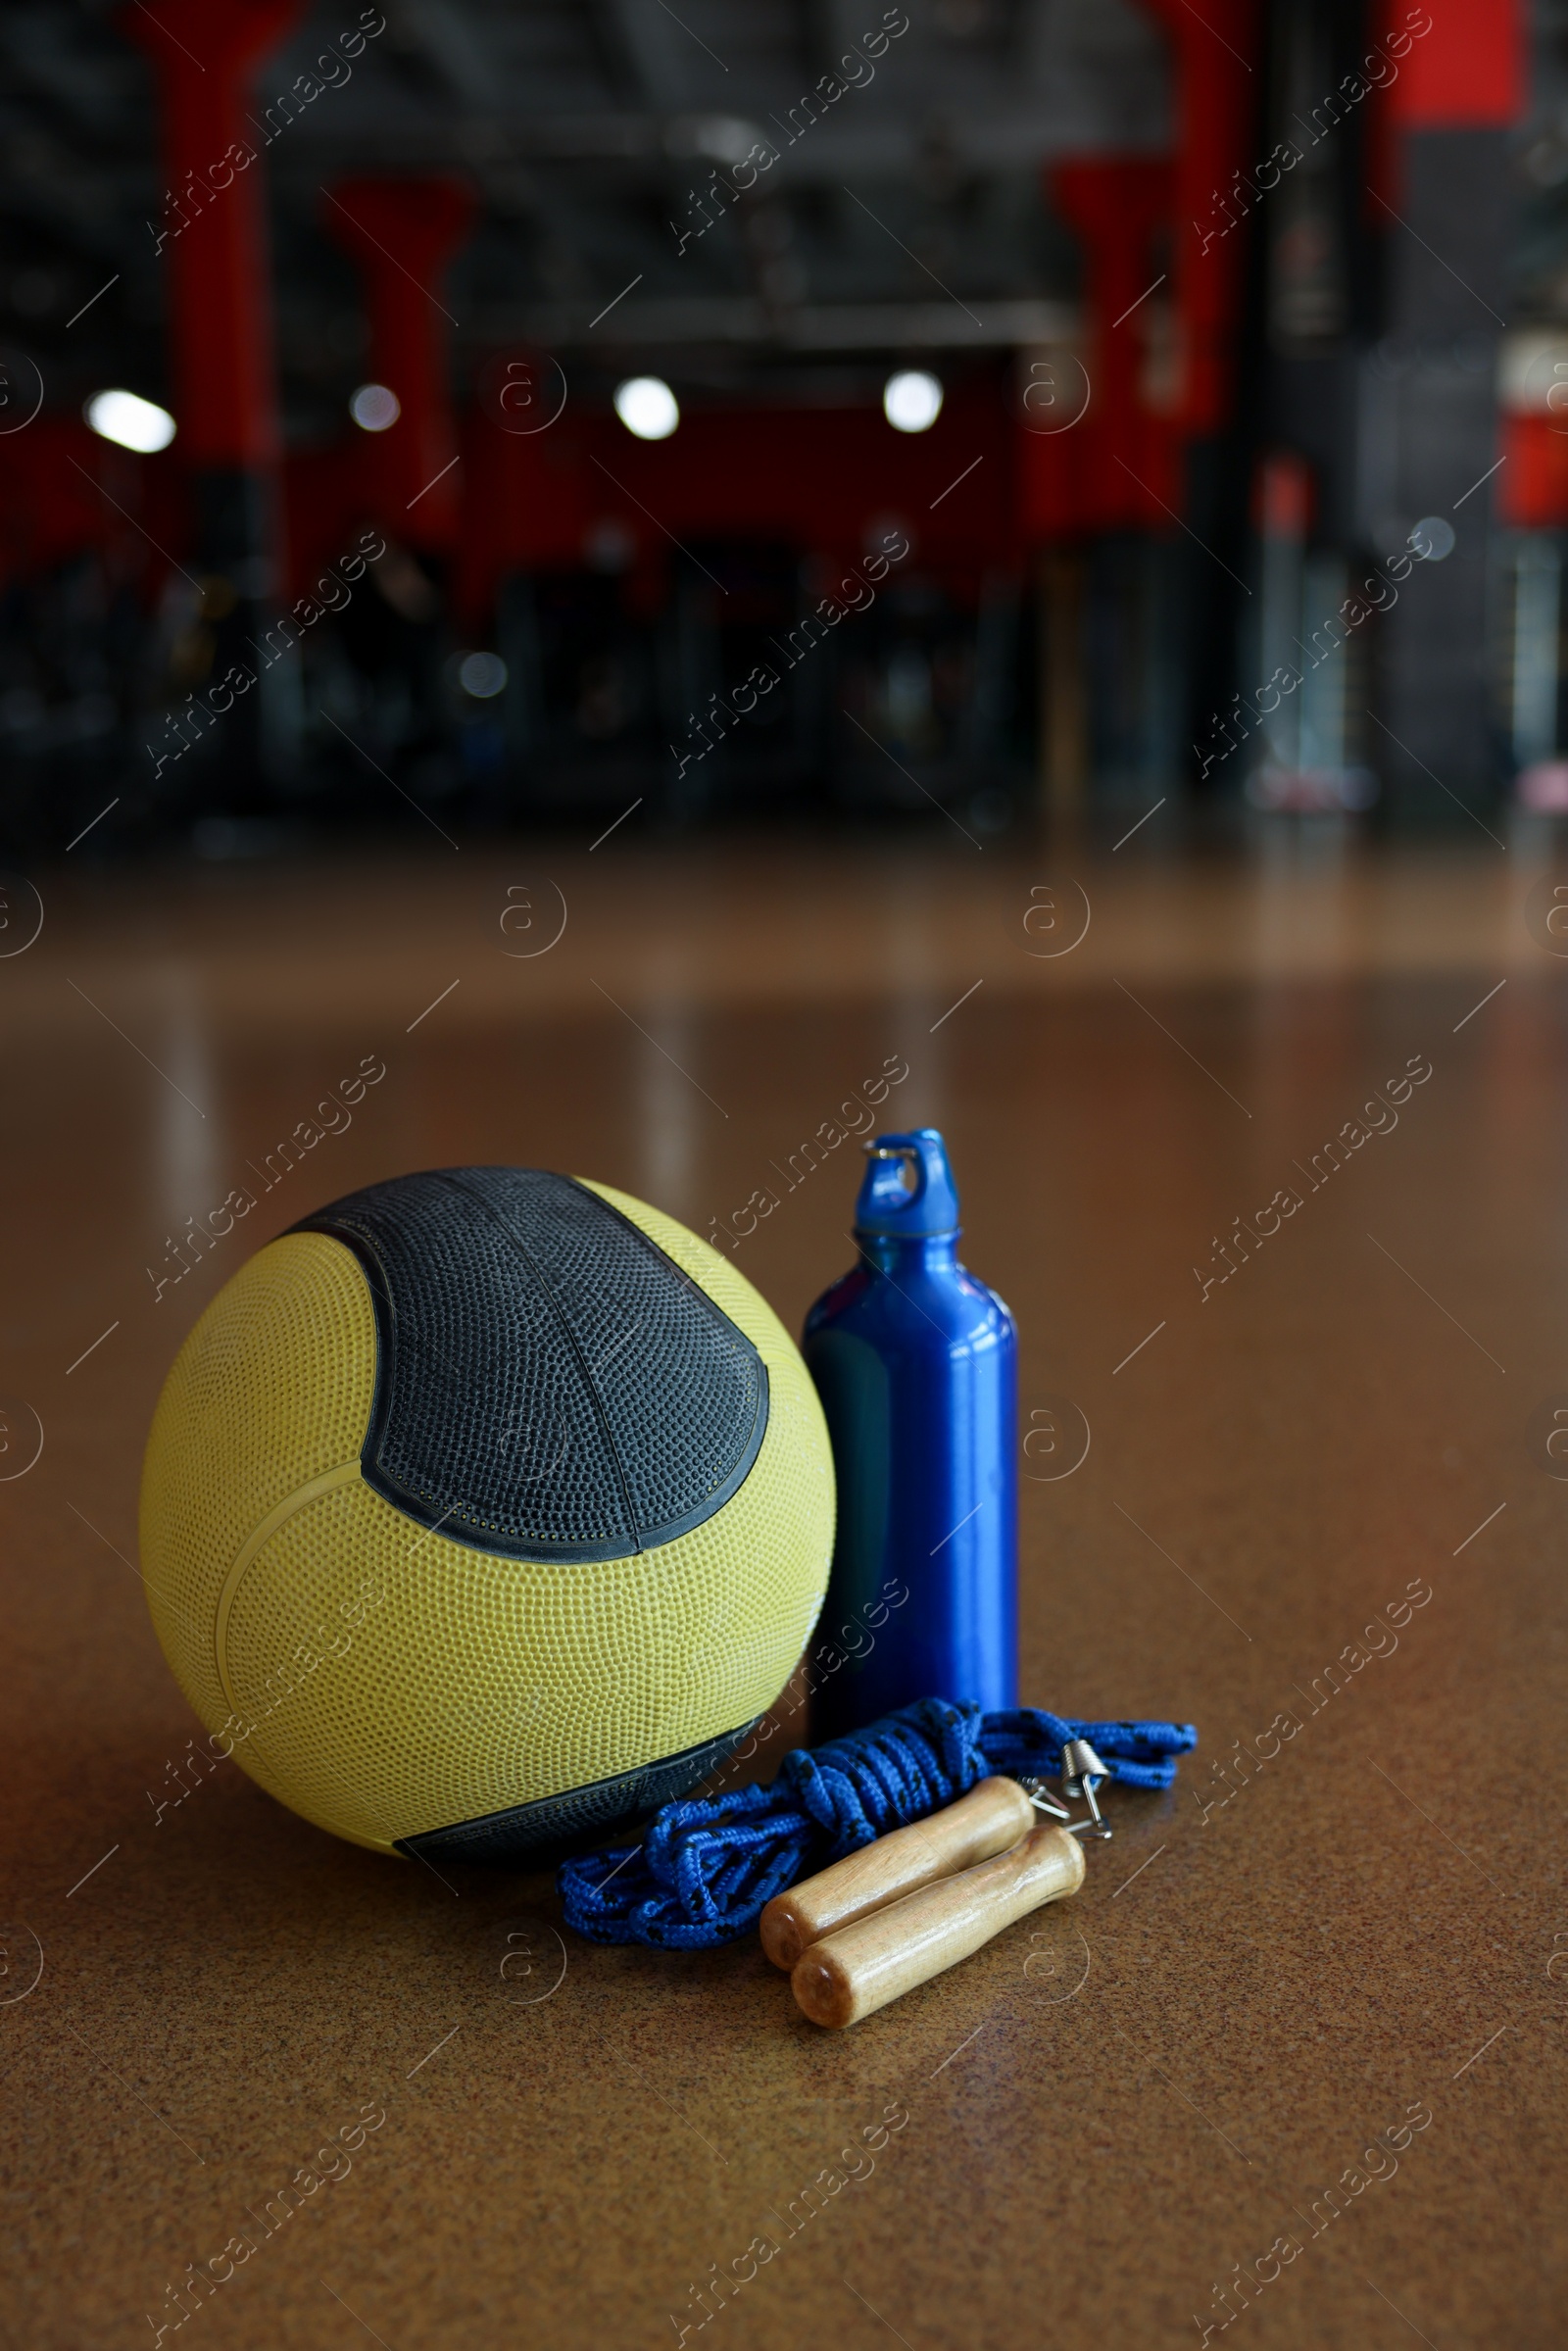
point(646, 406)
point(481, 674)
point(911, 400)
point(374, 408)
point(132, 422)
point(726, 139)
point(1433, 539)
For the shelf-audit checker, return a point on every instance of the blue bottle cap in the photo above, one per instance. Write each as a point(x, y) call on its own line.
point(885, 1206)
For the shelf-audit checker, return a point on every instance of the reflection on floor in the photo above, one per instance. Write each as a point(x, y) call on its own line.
point(1295, 1414)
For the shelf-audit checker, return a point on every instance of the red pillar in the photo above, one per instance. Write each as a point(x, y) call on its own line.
point(210, 236)
point(403, 232)
point(1112, 469)
point(1467, 69)
point(211, 232)
point(1217, 103)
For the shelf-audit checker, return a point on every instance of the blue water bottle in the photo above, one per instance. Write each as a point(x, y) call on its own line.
point(917, 1365)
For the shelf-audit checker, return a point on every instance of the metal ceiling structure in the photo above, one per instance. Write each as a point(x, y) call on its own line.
point(773, 204)
point(894, 200)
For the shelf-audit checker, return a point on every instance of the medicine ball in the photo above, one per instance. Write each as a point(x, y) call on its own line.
point(483, 1511)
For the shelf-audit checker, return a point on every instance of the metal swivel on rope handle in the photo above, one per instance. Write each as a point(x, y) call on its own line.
point(1081, 1774)
point(1043, 1800)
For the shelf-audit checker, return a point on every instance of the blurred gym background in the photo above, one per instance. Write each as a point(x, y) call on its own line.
point(438, 412)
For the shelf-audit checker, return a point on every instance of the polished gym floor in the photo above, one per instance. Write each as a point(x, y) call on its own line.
point(1298, 2045)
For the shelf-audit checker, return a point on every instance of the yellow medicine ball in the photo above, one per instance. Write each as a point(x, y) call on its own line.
point(484, 1511)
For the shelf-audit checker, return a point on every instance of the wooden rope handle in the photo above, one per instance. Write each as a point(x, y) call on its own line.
point(851, 1973)
point(993, 1815)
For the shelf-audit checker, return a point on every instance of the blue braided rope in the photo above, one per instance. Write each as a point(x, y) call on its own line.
point(707, 1866)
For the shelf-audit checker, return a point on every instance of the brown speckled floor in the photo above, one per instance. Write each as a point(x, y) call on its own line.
point(1341, 1965)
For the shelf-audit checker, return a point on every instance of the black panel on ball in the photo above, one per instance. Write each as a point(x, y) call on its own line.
point(532, 1836)
point(551, 1384)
